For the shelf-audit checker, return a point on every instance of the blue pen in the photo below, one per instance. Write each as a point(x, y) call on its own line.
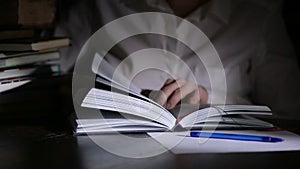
point(241, 137)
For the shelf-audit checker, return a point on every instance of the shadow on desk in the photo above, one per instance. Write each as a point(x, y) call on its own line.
point(43, 100)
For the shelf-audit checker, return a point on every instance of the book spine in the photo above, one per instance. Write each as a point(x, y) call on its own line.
point(29, 59)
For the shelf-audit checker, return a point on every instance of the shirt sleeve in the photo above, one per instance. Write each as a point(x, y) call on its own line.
point(74, 22)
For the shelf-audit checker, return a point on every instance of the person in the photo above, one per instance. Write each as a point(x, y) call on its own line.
point(249, 36)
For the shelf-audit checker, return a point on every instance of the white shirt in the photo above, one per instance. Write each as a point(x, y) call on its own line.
point(249, 36)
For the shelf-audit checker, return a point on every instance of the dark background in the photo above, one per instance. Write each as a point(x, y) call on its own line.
point(291, 16)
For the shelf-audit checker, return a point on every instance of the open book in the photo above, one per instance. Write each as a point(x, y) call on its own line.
point(126, 110)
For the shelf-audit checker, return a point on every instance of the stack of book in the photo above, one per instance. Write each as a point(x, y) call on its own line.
point(24, 53)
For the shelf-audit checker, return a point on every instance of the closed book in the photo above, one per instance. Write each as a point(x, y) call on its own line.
point(29, 59)
point(31, 70)
point(34, 45)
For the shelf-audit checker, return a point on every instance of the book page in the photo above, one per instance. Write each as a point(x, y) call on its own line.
point(105, 70)
point(98, 126)
point(232, 112)
point(107, 100)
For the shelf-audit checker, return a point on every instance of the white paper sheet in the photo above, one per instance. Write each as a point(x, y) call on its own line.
point(181, 143)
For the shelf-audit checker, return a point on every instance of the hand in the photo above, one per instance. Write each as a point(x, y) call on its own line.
point(176, 91)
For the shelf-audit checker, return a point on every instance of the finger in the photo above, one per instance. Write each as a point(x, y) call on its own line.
point(168, 81)
point(203, 95)
point(168, 90)
point(194, 97)
point(154, 94)
point(179, 94)
point(159, 96)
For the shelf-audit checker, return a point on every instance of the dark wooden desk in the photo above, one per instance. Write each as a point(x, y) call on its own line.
point(45, 142)
point(38, 147)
